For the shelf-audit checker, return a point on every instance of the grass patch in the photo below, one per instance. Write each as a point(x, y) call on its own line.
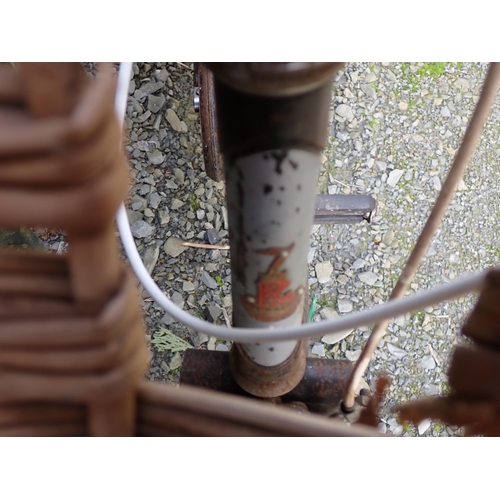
point(413, 79)
point(435, 69)
point(194, 203)
point(438, 427)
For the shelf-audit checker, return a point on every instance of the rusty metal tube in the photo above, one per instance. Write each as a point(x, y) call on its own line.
point(271, 159)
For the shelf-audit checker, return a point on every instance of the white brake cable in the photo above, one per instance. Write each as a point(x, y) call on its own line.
point(351, 321)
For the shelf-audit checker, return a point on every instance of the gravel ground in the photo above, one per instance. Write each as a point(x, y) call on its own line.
point(394, 131)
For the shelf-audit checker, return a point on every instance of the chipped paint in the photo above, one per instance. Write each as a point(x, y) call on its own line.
point(271, 200)
point(273, 301)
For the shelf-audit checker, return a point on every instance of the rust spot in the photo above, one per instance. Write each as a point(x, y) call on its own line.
point(294, 164)
point(267, 188)
point(273, 303)
point(271, 349)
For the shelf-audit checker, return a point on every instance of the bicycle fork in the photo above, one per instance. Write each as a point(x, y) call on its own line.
point(273, 126)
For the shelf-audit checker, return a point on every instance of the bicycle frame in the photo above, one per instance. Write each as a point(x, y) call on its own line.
point(272, 161)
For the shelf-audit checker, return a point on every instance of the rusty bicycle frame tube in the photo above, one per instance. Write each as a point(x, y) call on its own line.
point(321, 388)
point(273, 125)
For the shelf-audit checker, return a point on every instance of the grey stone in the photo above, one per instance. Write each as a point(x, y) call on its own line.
point(162, 75)
point(324, 271)
point(173, 119)
point(167, 319)
point(382, 427)
point(199, 338)
point(155, 103)
point(345, 111)
point(461, 185)
point(176, 204)
point(150, 257)
point(173, 247)
point(370, 77)
point(328, 313)
point(141, 229)
point(179, 175)
point(369, 278)
point(187, 286)
point(212, 236)
point(154, 200)
point(436, 183)
point(398, 430)
point(461, 84)
point(423, 426)
point(394, 177)
point(150, 88)
point(133, 216)
point(146, 146)
point(156, 157)
point(431, 390)
point(396, 352)
point(358, 264)
point(310, 255)
point(224, 217)
point(353, 355)
point(445, 112)
point(333, 338)
point(176, 361)
point(368, 90)
point(208, 280)
point(227, 301)
point(427, 363)
point(318, 349)
point(214, 310)
point(221, 347)
point(211, 345)
point(177, 299)
point(344, 305)
point(142, 118)
point(164, 217)
point(388, 237)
